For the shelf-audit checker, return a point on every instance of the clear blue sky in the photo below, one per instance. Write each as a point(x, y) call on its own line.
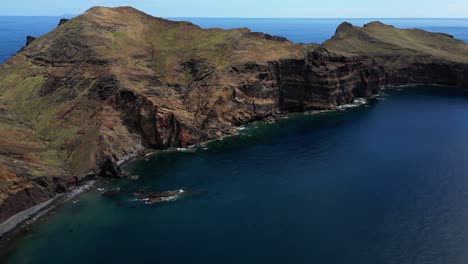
point(251, 8)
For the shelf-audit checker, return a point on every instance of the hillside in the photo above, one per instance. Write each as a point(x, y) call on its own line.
point(378, 39)
point(407, 55)
point(113, 82)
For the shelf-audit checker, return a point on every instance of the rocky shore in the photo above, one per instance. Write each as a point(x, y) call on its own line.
point(159, 197)
point(27, 217)
point(113, 83)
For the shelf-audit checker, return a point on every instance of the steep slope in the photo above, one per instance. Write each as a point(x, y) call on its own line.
point(407, 55)
point(29, 172)
point(114, 81)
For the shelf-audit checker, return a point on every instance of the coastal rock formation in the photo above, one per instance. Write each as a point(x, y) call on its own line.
point(29, 40)
point(113, 82)
point(406, 55)
point(63, 21)
point(160, 197)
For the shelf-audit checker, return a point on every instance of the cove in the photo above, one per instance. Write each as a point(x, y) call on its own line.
point(381, 183)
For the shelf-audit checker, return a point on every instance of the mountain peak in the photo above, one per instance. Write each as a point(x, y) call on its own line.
point(376, 24)
point(384, 40)
point(344, 27)
point(121, 9)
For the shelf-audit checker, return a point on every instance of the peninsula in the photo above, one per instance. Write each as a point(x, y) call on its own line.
point(115, 82)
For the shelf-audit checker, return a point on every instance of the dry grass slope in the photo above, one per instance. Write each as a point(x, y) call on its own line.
point(378, 39)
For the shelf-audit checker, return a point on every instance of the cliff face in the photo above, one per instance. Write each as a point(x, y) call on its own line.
point(114, 81)
point(406, 55)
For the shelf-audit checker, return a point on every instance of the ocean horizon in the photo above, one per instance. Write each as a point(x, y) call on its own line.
point(14, 29)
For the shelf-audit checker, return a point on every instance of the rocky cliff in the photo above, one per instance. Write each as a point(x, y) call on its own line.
point(112, 82)
point(406, 55)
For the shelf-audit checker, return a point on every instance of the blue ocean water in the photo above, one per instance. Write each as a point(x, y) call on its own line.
point(383, 183)
point(13, 32)
point(386, 183)
point(309, 30)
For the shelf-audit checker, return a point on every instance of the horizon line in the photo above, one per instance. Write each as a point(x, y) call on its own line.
point(208, 17)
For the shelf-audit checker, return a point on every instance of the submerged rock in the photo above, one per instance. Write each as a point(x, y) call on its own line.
point(111, 193)
point(133, 177)
point(159, 197)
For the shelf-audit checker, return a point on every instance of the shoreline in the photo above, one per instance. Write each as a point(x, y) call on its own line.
point(358, 101)
point(144, 152)
point(15, 221)
point(19, 223)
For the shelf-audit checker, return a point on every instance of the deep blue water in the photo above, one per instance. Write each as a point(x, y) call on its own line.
point(13, 30)
point(385, 183)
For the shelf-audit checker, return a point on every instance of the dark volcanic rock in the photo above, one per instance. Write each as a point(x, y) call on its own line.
point(109, 168)
point(305, 86)
point(267, 36)
point(29, 40)
point(112, 193)
point(20, 201)
point(104, 87)
point(63, 21)
point(159, 197)
point(114, 82)
point(415, 57)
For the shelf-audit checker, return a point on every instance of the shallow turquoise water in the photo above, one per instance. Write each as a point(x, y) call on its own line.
point(386, 183)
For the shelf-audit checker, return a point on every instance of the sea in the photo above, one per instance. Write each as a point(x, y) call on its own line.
point(385, 182)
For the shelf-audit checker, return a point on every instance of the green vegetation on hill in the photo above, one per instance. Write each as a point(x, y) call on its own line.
point(380, 40)
point(113, 82)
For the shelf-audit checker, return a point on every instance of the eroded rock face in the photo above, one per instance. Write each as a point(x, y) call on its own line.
point(406, 55)
point(429, 70)
point(310, 84)
point(21, 200)
point(29, 40)
point(114, 82)
point(63, 21)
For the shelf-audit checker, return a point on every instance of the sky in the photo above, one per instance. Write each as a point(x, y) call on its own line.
point(251, 8)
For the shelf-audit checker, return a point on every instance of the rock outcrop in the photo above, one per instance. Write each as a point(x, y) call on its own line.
point(63, 21)
point(112, 82)
point(29, 40)
point(406, 55)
